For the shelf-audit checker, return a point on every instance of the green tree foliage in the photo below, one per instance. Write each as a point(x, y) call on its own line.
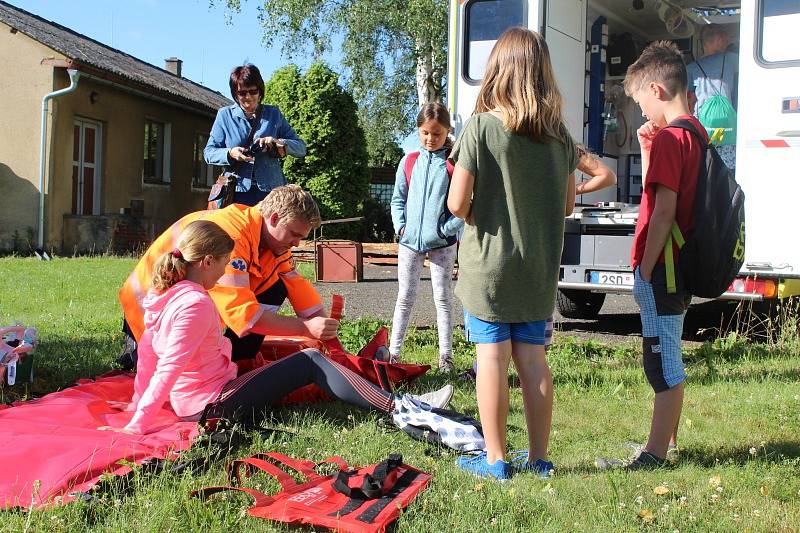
point(324, 115)
point(395, 53)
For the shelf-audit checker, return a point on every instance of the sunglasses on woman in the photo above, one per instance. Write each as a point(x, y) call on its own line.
point(248, 92)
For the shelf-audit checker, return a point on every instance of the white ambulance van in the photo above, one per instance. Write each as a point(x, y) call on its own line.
point(592, 42)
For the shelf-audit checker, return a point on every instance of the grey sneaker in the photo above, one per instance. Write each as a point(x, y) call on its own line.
point(446, 363)
point(382, 354)
point(638, 447)
point(438, 398)
point(643, 461)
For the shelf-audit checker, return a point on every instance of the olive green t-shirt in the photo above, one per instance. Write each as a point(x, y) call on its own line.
point(509, 256)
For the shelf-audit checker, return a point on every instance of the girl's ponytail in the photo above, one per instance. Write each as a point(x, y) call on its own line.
point(169, 269)
point(198, 240)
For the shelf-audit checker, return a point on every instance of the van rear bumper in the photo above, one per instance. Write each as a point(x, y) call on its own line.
point(627, 289)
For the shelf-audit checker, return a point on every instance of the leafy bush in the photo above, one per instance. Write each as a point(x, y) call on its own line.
point(324, 115)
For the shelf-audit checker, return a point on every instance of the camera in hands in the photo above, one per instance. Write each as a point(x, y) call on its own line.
point(271, 149)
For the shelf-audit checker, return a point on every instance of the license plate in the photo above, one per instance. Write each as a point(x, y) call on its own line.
point(611, 278)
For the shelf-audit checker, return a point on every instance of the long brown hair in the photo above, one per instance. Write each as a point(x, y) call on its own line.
point(438, 112)
point(520, 83)
point(199, 239)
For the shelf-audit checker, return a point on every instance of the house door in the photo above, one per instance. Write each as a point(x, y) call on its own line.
point(86, 143)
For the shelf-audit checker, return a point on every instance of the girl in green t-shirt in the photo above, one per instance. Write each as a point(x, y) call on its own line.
point(513, 183)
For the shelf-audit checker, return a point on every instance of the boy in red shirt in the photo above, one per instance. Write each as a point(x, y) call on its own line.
point(670, 163)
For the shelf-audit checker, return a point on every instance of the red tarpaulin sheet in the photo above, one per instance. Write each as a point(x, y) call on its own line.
point(52, 447)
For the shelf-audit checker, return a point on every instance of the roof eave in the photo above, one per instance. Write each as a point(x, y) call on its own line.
point(133, 86)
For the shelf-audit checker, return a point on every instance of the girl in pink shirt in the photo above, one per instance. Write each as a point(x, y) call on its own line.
point(184, 358)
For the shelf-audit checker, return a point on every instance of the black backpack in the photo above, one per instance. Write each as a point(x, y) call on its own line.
point(713, 252)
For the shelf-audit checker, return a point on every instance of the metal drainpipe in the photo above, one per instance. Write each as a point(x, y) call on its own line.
point(73, 84)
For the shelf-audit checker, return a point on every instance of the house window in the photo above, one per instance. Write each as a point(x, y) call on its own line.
point(156, 163)
point(203, 174)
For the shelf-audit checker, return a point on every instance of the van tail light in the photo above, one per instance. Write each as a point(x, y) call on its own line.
point(765, 287)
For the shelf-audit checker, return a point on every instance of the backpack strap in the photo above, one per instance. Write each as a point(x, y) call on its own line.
point(450, 167)
point(686, 124)
point(411, 159)
point(675, 236)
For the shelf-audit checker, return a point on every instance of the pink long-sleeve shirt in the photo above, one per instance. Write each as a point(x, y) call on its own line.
point(183, 356)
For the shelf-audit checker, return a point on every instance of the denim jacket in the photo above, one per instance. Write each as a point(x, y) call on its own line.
point(230, 129)
point(421, 208)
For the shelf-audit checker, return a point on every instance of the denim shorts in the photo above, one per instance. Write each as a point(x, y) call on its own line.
point(539, 332)
point(662, 327)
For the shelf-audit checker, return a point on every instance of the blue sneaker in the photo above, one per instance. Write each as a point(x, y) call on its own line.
point(541, 468)
point(478, 466)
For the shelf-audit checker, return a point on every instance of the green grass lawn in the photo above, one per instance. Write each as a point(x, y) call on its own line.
point(738, 468)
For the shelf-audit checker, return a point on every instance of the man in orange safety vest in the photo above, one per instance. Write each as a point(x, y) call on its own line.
point(259, 277)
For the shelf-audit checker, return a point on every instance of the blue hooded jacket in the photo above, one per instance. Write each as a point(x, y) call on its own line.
point(421, 207)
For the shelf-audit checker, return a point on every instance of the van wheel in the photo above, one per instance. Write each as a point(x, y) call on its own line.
point(579, 304)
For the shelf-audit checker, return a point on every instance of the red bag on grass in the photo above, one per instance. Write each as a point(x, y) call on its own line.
point(356, 500)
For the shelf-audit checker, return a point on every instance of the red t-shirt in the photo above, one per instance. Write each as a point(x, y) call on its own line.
point(674, 163)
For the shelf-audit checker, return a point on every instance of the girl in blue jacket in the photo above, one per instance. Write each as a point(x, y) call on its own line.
point(425, 227)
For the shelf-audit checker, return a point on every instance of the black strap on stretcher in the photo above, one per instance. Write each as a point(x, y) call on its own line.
point(373, 487)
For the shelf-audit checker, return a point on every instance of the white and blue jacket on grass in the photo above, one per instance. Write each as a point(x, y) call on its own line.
point(421, 206)
point(230, 129)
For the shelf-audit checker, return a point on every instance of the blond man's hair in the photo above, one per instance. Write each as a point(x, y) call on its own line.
point(197, 240)
point(661, 62)
point(520, 83)
point(291, 202)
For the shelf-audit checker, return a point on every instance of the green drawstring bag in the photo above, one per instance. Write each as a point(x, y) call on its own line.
point(718, 115)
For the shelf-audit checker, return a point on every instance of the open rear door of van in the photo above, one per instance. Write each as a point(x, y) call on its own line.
point(768, 136)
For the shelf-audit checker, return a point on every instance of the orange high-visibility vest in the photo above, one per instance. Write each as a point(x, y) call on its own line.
point(249, 273)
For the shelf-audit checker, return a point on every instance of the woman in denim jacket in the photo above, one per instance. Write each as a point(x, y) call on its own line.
point(425, 227)
point(257, 173)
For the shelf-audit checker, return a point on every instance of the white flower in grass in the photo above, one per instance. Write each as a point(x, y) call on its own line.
point(639, 500)
point(753, 451)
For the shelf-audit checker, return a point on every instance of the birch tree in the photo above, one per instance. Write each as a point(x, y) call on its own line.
point(394, 53)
